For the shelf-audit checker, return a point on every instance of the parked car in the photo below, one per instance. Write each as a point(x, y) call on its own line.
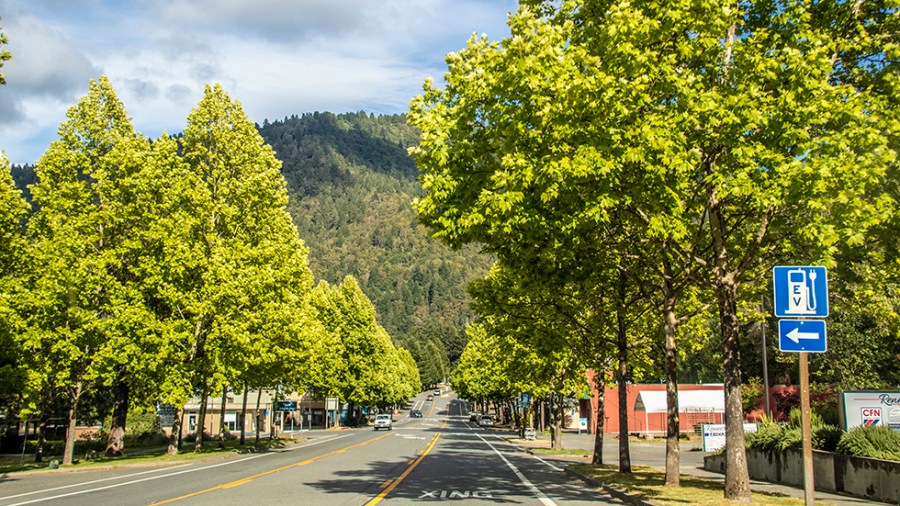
point(415, 414)
point(486, 421)
point(383, 422)
point(474, 416)
point(429, 398)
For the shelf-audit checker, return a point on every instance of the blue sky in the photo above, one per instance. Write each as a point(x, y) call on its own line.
point(277, 57)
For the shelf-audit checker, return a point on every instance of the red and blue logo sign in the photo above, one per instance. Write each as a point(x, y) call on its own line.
point(871, 416)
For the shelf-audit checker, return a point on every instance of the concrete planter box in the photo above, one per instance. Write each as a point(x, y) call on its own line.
point(858, 476)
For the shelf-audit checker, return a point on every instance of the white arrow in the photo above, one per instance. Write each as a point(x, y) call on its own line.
point(795, 335)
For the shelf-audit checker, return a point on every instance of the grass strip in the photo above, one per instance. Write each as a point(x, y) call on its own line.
point(15, 464)
point(647, 484)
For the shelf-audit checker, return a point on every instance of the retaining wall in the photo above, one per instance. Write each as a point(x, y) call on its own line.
point(859, 476)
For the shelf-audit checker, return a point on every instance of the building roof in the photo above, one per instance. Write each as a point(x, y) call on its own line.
point(699, 401)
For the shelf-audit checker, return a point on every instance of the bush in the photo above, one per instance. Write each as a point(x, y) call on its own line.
point(780, 437)
point(826, 437)
point(767, 437)
point(876, 441)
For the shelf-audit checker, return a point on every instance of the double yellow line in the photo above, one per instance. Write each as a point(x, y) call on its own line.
point(412, 465)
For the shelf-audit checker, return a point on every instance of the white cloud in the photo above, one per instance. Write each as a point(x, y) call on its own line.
point(278, 57)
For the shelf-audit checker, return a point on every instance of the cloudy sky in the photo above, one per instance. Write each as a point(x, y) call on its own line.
point(278, 57)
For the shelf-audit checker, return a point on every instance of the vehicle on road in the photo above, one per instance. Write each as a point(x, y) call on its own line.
point(474, 416)
point(415, 414)
point(383, 422)
point(486, 421)
point(429, 398)
point(437, 391)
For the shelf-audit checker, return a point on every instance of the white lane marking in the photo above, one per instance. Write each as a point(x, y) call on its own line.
point(94, 481)
point(151, 478)
point(530, 486)
point(551, 466)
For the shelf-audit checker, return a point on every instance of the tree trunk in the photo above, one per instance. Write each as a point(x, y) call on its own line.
point(175, 436)
point(69, 449)
point(115, 446)
point(673, 455)
point(556, 422)
point(221, 435)
point(258, 397)
point(244, 413)
point(201, 420)
point(597, 460)
point(41, 437)
point(737, 477)
point(621, 377)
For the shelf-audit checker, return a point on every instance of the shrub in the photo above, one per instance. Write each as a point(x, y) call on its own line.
point(767, 437)
point(780, 437)
point(826, 437)
point(876, 441)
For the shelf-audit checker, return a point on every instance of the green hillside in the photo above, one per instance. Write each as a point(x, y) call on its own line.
point(351, 184)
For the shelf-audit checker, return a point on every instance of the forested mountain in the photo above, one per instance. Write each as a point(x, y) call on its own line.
point(351, 184)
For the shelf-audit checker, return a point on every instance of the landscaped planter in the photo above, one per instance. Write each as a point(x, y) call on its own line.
point(859, 476)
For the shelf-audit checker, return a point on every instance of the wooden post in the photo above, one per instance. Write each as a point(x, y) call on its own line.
point(809, 490)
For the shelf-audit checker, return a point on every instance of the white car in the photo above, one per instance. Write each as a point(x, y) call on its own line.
point(383, 422)
point(486, 421)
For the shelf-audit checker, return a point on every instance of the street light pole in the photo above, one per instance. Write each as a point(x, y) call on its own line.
point(765, 361)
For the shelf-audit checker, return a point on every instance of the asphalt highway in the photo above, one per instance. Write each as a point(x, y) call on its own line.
point(438, 458)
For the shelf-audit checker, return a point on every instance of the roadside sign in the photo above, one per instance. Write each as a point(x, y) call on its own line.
point(802, 335)
point(286, 405)
point(713, 435)
point(801, 291)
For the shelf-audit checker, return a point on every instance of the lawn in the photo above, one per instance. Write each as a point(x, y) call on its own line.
point(647, 484)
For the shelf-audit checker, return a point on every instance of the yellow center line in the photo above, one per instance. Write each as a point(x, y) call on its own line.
point(265, 473)
point(409, 469)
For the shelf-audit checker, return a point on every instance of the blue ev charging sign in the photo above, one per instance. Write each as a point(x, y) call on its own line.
point(801, 291)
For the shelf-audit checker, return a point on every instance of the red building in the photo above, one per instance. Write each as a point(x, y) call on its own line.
point(646, 406)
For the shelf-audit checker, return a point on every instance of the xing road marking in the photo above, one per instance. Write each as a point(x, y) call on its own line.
point(266, 473)
point(455, 494)
point(409, 469)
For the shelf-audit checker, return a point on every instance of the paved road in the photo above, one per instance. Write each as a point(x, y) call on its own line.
point(438, 458)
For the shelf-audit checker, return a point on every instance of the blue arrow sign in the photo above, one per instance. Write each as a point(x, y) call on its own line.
point(802, 335)
point(801, 291)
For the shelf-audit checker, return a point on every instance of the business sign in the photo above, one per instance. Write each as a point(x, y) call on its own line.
point(870, 408)
point(286, 406)
point(167, 414)
point(800, 291)
point(714, 435)
point(802, 335)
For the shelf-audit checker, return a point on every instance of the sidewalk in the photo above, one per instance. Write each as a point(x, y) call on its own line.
point(653, 454)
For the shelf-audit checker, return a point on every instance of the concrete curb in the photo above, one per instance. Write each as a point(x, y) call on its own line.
point(618, 494)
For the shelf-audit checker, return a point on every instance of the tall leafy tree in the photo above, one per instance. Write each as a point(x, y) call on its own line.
point(83, 310)
point(13, 266)
point(728, 117)
point(237, 263)
point(371, 367)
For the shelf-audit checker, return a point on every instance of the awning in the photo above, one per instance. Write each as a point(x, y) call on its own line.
point(696, 401)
